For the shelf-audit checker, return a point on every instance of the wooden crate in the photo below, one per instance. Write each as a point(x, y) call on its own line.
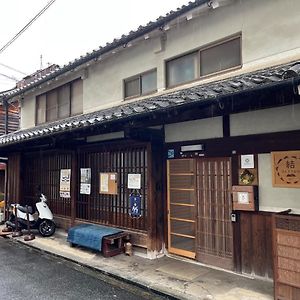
point(286, 245)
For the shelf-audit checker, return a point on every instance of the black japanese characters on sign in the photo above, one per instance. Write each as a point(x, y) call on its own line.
point(286, 169)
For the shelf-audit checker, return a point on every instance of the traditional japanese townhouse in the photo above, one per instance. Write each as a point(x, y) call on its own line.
point(197, 102)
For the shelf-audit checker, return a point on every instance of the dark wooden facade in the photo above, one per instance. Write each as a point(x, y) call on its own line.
point(35, 171)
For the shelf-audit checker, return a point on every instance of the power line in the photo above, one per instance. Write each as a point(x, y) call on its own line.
point(9, 77)
point(27, 25)
point(13, 69)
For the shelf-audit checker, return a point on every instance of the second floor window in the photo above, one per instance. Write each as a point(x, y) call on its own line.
point(62, 102)
point(141, 84)
point(213, 59)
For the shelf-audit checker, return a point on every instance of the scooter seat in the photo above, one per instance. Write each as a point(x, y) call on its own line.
point(24, 210)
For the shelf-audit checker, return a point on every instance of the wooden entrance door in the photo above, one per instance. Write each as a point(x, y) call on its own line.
point(182, 207)
point(214, 227)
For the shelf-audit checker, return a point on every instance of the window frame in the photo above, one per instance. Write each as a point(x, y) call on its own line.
point(198, 54)
point(56, 91)
point(139, 77)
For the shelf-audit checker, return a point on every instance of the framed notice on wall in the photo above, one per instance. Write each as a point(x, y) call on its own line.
point(108, 183)
point(286, 169)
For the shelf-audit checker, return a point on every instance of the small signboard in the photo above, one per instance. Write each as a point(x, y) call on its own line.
point(286, 169)
point(65, 183)
point(108, 183)
point(245, 198)
point(135, 205)
point(247, 161)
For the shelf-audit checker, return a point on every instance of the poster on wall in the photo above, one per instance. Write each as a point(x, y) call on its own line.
point(134, 181)
point(103, 183)
point(85, 181)
point(286, 169)
point(65, 183)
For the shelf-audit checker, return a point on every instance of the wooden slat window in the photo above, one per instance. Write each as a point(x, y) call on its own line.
point(43, 170)
point(114, 209)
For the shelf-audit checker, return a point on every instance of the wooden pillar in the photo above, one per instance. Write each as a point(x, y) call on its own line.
point(236, 226)
point(155, 200)
point(74, 186)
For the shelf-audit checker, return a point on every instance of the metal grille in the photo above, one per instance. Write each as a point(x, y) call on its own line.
point(43, 169)
point(113, 209)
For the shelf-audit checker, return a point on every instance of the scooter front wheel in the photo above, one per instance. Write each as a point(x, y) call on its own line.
point(47, 228)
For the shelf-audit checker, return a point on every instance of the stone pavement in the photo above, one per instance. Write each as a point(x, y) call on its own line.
point(174, 277)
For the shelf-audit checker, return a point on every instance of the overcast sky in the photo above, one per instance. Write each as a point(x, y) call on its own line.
point(68, 29)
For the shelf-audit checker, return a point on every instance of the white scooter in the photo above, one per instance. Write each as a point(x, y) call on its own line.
point(42, 220)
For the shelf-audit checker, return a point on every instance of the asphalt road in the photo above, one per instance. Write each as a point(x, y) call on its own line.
point(26, 273)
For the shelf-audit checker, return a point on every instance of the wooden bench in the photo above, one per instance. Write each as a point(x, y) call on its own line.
point(114, 244)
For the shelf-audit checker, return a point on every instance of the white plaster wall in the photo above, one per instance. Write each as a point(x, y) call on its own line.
point(269, 37)
point(194, 130)
point(274, 198)
point(265, 121)
point(104, 85)
point(268, 29)
point(27, 116)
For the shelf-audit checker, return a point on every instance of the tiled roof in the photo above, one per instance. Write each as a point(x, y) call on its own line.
point(190, 96)
point(120, 42)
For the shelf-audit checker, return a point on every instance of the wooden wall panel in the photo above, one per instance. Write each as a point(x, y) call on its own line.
point(256, 244)
point(286, 245)
point(14, 184)
point(12, 118)
point(42, 170)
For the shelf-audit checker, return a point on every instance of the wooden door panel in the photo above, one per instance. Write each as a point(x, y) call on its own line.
point(182, 207)
point(214, 228)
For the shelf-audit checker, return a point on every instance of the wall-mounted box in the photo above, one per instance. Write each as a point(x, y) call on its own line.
point(245, 197)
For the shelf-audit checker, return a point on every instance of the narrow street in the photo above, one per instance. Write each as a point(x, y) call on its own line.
point(28, 274)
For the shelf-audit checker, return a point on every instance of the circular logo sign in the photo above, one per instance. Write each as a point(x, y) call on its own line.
point(288, 169)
